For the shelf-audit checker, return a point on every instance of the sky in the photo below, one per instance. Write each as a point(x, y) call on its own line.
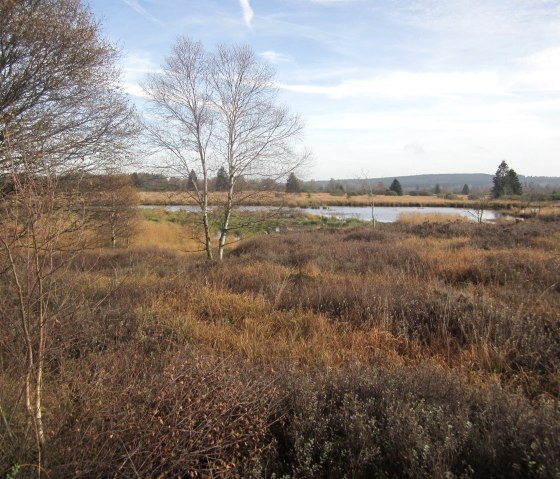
point(385, 87)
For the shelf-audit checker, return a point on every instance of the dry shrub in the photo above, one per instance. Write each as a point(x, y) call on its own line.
point(428, 285)
point(523, 269)
point(513, 235)
point(132, 389)
point(418, 422)
point(356, 252)
point(128, 415)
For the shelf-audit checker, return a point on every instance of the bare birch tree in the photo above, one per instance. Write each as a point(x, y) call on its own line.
point(184, 119)
point(255, 136)
point(220, 109)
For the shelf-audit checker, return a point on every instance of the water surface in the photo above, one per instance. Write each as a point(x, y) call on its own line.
point(382, 214)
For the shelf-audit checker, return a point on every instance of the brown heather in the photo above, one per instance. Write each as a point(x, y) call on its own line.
point(412, 350)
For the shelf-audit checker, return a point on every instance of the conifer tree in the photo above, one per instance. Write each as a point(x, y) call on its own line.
point(221, 180)
point(513, 184)
point(506, 182)
point(500, 180)
point(396, 187)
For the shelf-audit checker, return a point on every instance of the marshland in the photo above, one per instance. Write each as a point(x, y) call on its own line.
point(176, 301)
point(414, 349)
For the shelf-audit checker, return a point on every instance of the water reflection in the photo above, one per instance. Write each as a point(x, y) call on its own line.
point(383, 214)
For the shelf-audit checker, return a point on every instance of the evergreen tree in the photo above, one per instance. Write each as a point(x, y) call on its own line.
point(513, 184)
point(221, 180)
point(500, 180)
point(465, 190)
point(396, 187)
point(293, 185)
point(506, 182)
point(437, 189)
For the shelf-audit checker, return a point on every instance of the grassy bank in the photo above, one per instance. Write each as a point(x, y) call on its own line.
point(303, 200)
point(515, 207)
point(409, 350)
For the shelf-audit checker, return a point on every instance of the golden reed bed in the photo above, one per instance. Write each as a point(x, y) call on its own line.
point(304, 200)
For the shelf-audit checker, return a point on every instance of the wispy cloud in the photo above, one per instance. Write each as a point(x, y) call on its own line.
point(275, 57)
point(436, 124)
point(486, 17)
point(142, 11)
point(247, 12)
point(407, 84)
point(539, 71)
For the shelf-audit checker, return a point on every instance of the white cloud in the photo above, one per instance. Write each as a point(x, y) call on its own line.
point(408, 84)
point(445, 122)
point(247, 12)
point(139, 61)
point(135, 66)
point(493, 17)
point(134, 89)
point(549, 58)
point(539, 72)
point(275, 57)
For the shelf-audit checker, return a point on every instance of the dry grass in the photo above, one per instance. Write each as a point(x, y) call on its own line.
point(420, 218)
point(423, 349)
point(303, 200)
point(165, 234)
point(251, 326)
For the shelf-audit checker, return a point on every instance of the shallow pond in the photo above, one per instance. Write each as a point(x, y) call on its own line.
point(382, 214)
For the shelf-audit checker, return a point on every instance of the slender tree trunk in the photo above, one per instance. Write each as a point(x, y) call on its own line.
point(225, 222)
point(205, 220)
point(33, 365)
point(373, 212)
point(38, 406)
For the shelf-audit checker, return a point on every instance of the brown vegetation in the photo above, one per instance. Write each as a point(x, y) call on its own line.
point(411, 350)
point(302, 200)
point(318, 200)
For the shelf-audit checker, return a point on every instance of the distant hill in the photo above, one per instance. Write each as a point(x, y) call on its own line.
point(445, 180)
point(540, 180)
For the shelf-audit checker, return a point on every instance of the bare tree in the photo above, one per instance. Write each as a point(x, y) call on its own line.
point(29, 238)
point(110, 207)
point(368, 187)
point(58, 92)
point(255, 136)
point(184, 119)
point(220, 110)
point(61, 115)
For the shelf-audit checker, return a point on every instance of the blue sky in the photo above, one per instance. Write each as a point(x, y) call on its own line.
point(386, 87)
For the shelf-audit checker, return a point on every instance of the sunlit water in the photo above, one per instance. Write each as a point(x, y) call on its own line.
point(382, 214)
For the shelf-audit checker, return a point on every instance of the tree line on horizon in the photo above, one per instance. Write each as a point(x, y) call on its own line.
point(505, 183)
